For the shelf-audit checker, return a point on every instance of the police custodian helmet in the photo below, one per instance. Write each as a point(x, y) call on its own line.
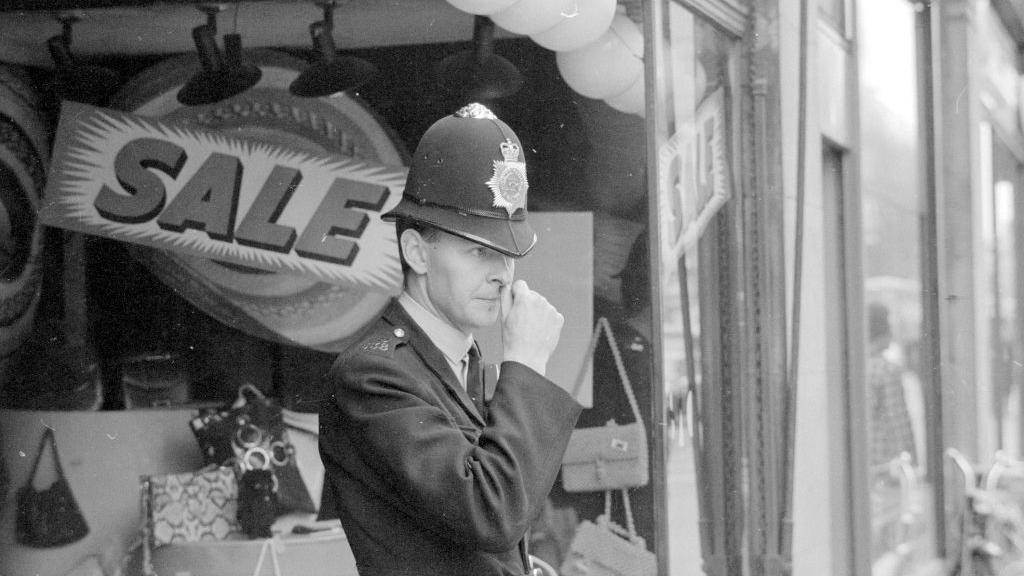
point(468, 178)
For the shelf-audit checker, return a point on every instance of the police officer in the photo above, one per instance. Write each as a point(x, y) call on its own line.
point(428, 477)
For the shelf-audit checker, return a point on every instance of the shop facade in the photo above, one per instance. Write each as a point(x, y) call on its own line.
point(798, 218)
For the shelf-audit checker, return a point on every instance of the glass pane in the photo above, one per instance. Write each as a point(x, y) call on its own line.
point(901, 509)
point(834, 13)
point(998, 269)
point(692, 68)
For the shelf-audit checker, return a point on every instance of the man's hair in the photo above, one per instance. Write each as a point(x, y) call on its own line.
point(428, 232)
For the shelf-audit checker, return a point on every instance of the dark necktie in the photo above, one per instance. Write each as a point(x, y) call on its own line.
point(475, 379)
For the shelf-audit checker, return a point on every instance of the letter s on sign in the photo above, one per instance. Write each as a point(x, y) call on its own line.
point(145, 192)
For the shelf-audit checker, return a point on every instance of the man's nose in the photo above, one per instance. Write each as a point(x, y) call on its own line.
point(502, 270)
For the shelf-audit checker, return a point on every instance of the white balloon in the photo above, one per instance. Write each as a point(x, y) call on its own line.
point(631, 101)
point(606, 67)
point(535, 16)
point(482, 7)
point(630, 34)
point(593, 19)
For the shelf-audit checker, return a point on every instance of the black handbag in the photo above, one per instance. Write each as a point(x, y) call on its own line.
point(51, 517)
point(250, 432)
point(257, 502)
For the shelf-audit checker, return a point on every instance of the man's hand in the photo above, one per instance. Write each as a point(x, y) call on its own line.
point(530, 326)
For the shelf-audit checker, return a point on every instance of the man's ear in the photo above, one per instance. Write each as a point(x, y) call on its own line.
point(414, 249)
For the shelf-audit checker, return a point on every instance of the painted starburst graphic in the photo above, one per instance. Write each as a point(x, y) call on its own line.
point(89, 140)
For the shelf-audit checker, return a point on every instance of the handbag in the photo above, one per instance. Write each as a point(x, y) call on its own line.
point(257, 502)
point(191, 506)
point(250, 429)
point(606, 549)
point(50, 517)
point(610, 456)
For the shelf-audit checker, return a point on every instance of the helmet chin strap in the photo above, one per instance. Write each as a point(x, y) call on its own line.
point(512, 234)
point(501, 301)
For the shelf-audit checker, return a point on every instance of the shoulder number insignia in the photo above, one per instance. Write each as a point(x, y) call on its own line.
point(378, 344)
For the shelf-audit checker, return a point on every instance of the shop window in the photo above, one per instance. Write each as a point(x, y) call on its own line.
point(997, 270)
point(833, 13)
point(695, 78)
point(899, 488)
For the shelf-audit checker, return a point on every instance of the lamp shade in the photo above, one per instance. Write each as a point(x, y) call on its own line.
point(475, 78)
point(220, 77)
point(482, 7)
point(529, 17)
point(331, 73)
point(608, 66)
point(479, 74)
point(76, 81)
point(593, 19)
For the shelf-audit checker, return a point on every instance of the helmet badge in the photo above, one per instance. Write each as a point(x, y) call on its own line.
point(508, 183)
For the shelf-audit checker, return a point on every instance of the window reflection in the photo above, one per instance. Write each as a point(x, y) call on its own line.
point(999, 271)
point(692, 71)
point(891, 201)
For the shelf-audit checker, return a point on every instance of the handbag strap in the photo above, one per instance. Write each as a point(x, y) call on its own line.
point(47, 438)
point(147, 526)
point(630, 531)
point(606, 327)
point(242, 400)
point(268, 544)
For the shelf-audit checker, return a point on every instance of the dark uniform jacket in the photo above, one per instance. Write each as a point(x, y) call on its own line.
point(422, 484)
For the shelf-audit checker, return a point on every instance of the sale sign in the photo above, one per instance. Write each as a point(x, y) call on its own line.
point(236, 200)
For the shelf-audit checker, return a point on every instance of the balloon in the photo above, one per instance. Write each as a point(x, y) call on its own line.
point(482, 7)
point(630, 34)
point(534, 16)
point(593, 19)
point(631, 101)
point(608, 66)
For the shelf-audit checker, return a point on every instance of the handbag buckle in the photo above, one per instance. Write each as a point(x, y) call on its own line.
point(256, 458)
point(248, 435)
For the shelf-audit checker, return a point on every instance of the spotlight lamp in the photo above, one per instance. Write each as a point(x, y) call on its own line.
point(72, 79)
point(480, 74)
point(330, 73)
point(221, 76)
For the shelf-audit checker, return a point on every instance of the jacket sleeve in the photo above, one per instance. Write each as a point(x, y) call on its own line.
point(478, 486)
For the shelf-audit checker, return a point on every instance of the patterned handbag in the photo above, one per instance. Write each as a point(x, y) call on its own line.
point(50, 517)
point(252, 431)
point(606, 549)
point(611, 456)
point(191, 506)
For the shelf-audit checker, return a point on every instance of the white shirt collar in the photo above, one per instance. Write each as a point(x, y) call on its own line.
point(452, 342)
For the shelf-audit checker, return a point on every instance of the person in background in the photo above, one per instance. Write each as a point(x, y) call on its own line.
point(426, 476)
point(891, 430)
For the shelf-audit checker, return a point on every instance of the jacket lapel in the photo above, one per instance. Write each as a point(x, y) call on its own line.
point(431, 356)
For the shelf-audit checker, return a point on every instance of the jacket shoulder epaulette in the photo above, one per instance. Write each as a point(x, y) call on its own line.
point(382, 341)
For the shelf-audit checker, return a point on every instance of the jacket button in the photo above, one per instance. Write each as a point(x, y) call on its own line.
point(399, 333)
